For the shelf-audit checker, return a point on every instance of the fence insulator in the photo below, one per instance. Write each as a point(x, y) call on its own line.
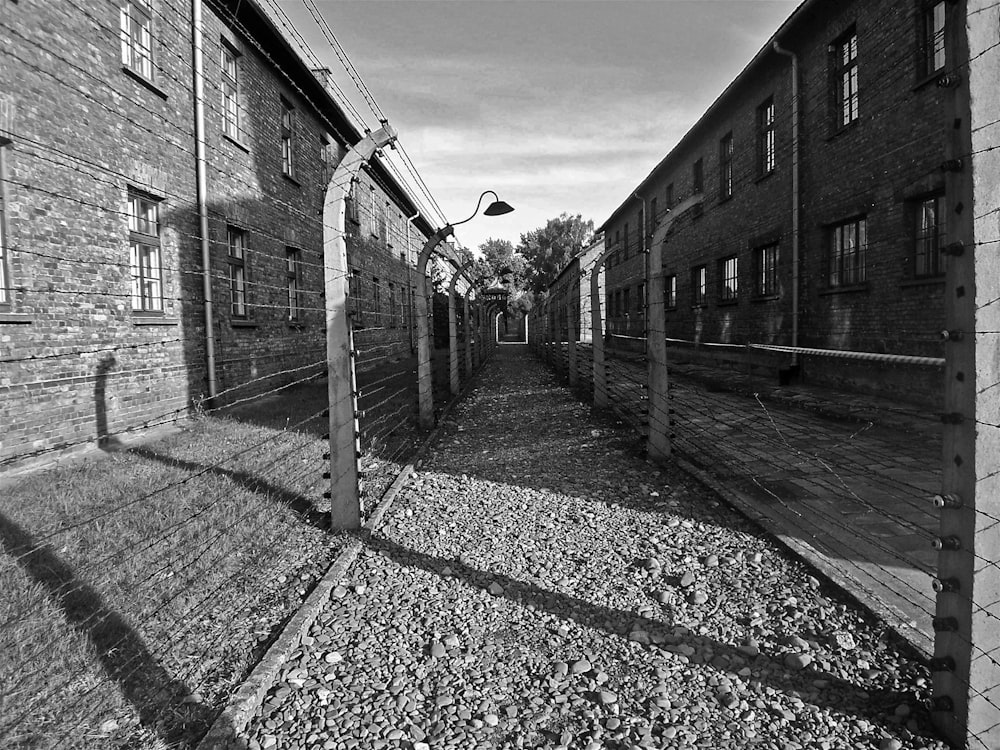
point(945, 624)
point(953, 248)
point(942, 703)
point(945, 585)
point(952, 335)
point(952, 418)
point(946, 543)
point(951, 165)
point(948, 500)
point(942, 664)
point(948, 81)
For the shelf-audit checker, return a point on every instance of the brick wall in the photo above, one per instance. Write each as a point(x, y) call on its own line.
point(80, 134)
point(877, 168)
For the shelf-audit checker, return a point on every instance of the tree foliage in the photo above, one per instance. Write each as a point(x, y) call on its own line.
point(548, 249)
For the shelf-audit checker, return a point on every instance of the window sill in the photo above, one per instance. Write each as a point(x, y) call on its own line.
point(242, 324)
point(928, 79)
point(922, 281)
point(699, 305)
point(851, 289)
point(727, 302)
point(765, 298)
point(839, 130)
point(296, 325)
point(145, 82)
point(762, 177)
point(140, 319)
point(238, 143)
point(11, 318)
point(291, 179)
point(725, 198)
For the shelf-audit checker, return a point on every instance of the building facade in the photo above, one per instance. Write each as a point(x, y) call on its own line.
point(821, 175)
point(105, 233)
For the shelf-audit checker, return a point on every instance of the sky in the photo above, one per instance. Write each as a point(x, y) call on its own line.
point(560, 106)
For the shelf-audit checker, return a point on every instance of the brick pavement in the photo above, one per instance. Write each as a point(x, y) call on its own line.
point(846, 480)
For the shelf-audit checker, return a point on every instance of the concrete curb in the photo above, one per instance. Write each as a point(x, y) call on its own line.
point(233, 719)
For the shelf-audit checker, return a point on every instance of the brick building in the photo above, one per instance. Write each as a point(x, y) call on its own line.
point(573, 283)
point(102, 281)
point(821, 225)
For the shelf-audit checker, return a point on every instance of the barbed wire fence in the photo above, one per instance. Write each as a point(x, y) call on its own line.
point(856, 483)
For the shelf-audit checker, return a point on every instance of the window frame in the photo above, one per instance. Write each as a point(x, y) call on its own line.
point(934, 267)
point(377, 302)
point(726, 178)
point(354, 283)
point(293, 283)
point(286, 134)
point(766, 269)
point(391, 297)
point(670, 292)
point(699, 285)
point(932, 40)
point(625, 242)
point(669, 196)
point(846, 75)
point(232, 111)
point(839, 274)
point(148, 303)
point(137, 16)
point(236, 239)
point(729, 271)
point(652, 216)
point(766, 152)
point(698, 176)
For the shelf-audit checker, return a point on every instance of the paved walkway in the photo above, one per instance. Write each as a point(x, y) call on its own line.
point(538, 583)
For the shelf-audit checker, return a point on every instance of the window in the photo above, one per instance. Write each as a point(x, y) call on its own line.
point(930, 228)
point(846, 78)
point(5, 284)
point(698, 176)
point(729, 279)
point(933, 47)
point(625, 241)
point(626, 308)
point(669, 201)
point(293, 281)
point(137, 37)
point(726, 166)
point(393, 310)
point(372, 214)
point(618, 245)
point(287, 138)
point(377, 303)
point(699, 285)
point(766, 267)
point(237, 243)
point(847, 253)
point(231, 116)
point(351, 204)
point(652, 216)
point(670, 291)
point(765, 138)
point(144, 250)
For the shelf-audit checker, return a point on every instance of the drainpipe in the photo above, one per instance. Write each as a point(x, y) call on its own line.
point(409, 278)
point(645, 281)
point(200, 171)
point(795, 195)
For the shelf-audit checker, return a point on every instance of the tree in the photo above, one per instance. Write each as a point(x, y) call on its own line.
point(548, 249)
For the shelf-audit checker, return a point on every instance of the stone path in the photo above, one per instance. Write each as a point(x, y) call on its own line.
point(539, 584)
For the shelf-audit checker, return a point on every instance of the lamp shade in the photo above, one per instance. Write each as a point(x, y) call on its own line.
point(498, 208)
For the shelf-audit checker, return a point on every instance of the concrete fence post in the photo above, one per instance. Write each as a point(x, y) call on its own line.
point(453, 330)
point(345, 492)
point(571, 338)
point(658, 436)
point(597, 326)
point(469, 332)
point(965, 667)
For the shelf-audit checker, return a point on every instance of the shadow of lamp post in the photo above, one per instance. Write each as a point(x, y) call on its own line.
point(424, 385)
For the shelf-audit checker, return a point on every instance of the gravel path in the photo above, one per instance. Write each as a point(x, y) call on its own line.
point(539, 584)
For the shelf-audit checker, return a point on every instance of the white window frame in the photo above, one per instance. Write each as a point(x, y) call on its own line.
point(729, 279)
point(145, 253)
point(929, 234)
point(137, 37)
point(287, 136)
point(5, 278)
point(232, 112)
point(293, 282)
point(847, 79)
point(848, 247)
point(767, 269)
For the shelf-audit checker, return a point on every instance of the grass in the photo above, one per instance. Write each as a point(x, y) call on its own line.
point(141, 585)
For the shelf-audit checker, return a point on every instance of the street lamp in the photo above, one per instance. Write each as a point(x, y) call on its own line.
point(425, 389)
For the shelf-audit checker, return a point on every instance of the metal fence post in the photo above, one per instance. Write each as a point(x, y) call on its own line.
point(965, 667)
point(345, 493)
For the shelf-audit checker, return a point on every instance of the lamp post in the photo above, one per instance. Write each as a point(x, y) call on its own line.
point(425, 389)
